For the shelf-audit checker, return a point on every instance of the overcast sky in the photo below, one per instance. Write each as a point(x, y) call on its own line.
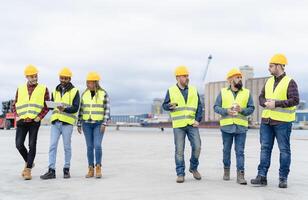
point(136, 45)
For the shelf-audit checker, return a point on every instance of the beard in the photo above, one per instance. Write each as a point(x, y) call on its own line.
point(238, 85)
point(33, 82)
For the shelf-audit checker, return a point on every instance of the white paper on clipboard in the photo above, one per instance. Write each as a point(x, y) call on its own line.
point(52, 104)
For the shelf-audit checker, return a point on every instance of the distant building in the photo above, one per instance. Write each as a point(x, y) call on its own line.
point(247, 72)
point(301, 105)
point(255, 86)
point(301, 116)
point(212, 90)
point(128, 118)
point(202, 103)
point(157, 108)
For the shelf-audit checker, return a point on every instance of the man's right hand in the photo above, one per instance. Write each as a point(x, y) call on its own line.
point(172, 106)
point(270, 104)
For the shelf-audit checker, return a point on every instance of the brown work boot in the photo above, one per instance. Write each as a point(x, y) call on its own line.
point(180, 179)
point(23, 171)
point(241, 178)
point(98, 171)
point(90, 173)
point(27, 174)
point(196, 174)
point(226, 176)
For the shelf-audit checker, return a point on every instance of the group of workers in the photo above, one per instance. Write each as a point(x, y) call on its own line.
point(279, 98)
point(91, 111)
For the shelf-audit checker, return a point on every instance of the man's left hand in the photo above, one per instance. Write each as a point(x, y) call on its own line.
point(195, 124)
point(61, 108)
point(238, 108)
point(37, 119)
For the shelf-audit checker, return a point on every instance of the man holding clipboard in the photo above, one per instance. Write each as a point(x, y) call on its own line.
point(66, 102)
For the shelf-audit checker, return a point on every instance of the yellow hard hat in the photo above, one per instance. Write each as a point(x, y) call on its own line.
point(233, 72)
point(181, 71)
point(279, 59)
point(30, 70)
point(93, 76)
point(65, 72)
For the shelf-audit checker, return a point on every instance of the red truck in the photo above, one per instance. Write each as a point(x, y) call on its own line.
point(8, 118)
point(8, 121)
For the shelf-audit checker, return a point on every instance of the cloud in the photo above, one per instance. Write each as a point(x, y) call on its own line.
point(135, 45)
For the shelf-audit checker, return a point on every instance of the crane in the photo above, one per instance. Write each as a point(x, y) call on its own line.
point(207, 67)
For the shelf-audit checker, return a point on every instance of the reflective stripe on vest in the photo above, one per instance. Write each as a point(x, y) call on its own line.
point(228, 100)
point(279, 94)
point(185, 112)
point(67, 101)
point(30, 107)
point(93, 108)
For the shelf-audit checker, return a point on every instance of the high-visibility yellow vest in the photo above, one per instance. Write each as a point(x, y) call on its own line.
point(185, 112)
point(279, 94)
point(93, 108)
point(67, 101)
point(30, 107)
point(228, 100)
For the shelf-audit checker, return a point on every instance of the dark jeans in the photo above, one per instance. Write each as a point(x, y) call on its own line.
point(23, 128)
point(282, 134)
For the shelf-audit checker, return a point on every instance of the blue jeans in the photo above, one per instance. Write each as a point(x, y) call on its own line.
point(239, 146)
point(282, 134)
point(94, 138)
point(66, 131)
point(179, 141)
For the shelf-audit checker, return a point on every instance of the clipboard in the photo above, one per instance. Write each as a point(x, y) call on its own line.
point(52, 104)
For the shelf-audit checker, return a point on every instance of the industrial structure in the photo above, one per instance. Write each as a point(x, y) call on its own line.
point(156, 108)
point(128, 119)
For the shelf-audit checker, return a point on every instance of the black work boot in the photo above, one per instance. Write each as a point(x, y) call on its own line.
point(49, 175)
point(66, 173)
point(259, 180)
point(283, 183)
